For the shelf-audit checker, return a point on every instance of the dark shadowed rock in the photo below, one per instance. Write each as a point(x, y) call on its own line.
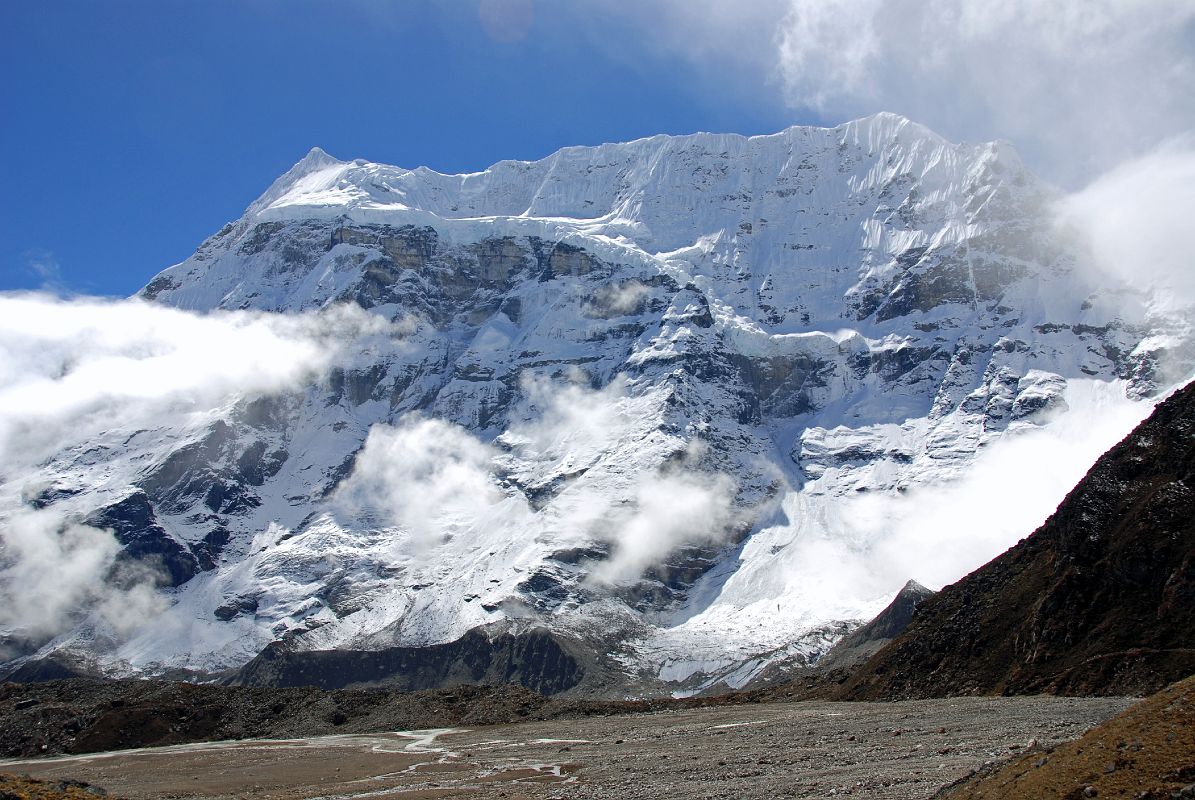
point(863, 642)
point(40, 670)
point(537, 660)
point(145, 541)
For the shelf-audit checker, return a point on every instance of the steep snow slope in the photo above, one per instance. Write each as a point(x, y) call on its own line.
point(663, 398)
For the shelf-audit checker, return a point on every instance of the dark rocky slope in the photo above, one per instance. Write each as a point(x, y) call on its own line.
point(536, 660)
point(84, 716)
point(1099, 600)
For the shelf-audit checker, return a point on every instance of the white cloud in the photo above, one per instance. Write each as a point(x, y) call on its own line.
point(668, 511)
point(436, 481)
point(1083, 89)
point(55, 572)
point(644, 518)
point(1076, 84)
point(431, 478)
point(706, 30)
point(1136, 221)
point(619, 298)
point(730, 44)
point(506, 21)
point(573, 424)
point(69, 368)
point(937, 534)
point(44, 266)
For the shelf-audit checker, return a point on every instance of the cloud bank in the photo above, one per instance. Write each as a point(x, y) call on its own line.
point(55, 572)
point(1136, 221)
point(1078, 85)
point(71, 368)
point(1095, 79)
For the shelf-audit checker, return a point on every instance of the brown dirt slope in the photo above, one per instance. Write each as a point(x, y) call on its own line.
point(19, 787)
point(1099, 600)
point(1147, 752)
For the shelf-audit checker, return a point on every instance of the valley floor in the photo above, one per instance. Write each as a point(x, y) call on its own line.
point(770, 750)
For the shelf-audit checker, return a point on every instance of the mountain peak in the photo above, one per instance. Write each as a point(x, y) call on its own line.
point(885, 127)
point(316, 160)
point(915, 589)
point(621, 184)
point(794, 334)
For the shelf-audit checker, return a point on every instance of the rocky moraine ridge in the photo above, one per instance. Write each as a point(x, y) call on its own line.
point(771, 326)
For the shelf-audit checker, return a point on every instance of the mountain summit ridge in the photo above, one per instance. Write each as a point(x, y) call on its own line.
point(885, 123)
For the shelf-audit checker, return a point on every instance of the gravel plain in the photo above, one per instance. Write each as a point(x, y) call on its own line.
point(771, 750)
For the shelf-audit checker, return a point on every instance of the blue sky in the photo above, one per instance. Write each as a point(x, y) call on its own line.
point(133, 130)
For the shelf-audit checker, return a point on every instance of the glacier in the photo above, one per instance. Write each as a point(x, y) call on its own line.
point(692, 405)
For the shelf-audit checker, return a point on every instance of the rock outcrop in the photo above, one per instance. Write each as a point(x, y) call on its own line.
point(863, 642)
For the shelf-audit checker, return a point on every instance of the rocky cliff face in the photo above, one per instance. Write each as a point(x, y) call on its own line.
point(1097, 601)
point(627, 392)
point(865, 641)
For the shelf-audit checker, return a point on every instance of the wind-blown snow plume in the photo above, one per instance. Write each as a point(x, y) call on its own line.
point(939, 533)
point(1136, 220)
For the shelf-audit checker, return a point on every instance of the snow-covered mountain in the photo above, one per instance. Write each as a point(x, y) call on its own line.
point(644, 399)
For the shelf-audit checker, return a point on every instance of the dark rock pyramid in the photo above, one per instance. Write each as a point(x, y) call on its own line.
point(862, 643)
